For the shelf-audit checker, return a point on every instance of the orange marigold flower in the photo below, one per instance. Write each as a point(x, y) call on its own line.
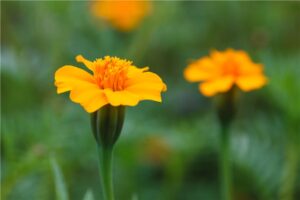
point(114, 81)
point(124, 15)
point(221, 70)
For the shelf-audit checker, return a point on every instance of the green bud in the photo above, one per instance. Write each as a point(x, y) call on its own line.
point(107, 124)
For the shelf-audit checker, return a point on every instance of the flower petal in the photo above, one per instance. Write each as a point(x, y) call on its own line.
point(68, 77)
point(91, 98)
point(117, 98)
point(222, 84)
point(143, 77)
point(200, 70)
point(134, 71)
point(147, 86)
point(247, 83)
point(251, 69)
point(90, 65)
point(241, 56)
point(147, 91)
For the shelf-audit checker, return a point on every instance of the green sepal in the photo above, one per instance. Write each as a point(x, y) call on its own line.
point(107, 124)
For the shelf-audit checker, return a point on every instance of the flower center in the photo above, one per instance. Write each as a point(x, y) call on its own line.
point(231, 68)
point(111, 72)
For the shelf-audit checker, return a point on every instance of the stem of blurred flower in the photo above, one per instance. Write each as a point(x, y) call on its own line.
point(144, 34)
point(225, 166)
point(290, 168)
point(226, 113)
point(105, 170)
point(141, 39)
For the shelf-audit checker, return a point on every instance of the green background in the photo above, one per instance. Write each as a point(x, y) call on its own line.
point(166, 151)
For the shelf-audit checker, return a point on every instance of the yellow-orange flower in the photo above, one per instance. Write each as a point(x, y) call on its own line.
point(221, 70)
point(124, 15)
point(113, 81)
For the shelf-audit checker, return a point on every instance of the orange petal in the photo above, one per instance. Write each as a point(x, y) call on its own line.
point(117, 98)
point(222, 84)
point(90, 97)
point(134, 71)
point(142, 77)
point(250, 69)
point(95, 103)
point(82, 94)
point(62, 87)
point(200, 70)
point(90, 65)
point(220, 57)
point(247, 83)
point(147, 86)
point(68, 77)
point(147, 91)
point(241, 57)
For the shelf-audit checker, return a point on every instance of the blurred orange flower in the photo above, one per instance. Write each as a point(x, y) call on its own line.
point(123, 15)
point(114, 81)
point(221, 70)
point(155, 150)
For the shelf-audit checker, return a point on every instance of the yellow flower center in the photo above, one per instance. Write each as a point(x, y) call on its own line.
point(111, 72)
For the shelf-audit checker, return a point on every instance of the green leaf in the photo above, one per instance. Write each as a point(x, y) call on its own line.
point(60, 186)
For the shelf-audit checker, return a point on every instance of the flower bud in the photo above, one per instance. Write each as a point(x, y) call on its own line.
point(107, 124)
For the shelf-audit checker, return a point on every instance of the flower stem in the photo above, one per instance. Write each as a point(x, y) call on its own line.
point(290, 171)
point(225, 166)
point(105, 170)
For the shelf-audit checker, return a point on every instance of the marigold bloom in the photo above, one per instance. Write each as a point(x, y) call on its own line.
point(124, 15)
point(113, 81)
point(221, 70)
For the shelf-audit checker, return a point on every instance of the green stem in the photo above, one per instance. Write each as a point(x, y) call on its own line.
point(290, 172)
point(105, 169)
point(225, 166)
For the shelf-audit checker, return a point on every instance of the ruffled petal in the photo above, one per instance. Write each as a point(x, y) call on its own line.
point(250, 69)
point(247, 83)
point(220, 57)
point(117, 98)
point(200, 70)
point(134, 71)
point(241, 57)
point(90, 65)
point(143, 77)
point(69, 77)
point(146, 92)
point(147, 86)
point(91, 98)
point(222, 84)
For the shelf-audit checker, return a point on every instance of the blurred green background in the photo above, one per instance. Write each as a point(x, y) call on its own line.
point(166, 151)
